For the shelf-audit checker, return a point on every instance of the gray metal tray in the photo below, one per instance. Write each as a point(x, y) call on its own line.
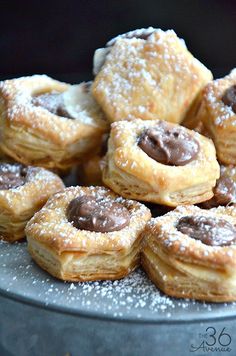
point(40, 315)
point(134, 298)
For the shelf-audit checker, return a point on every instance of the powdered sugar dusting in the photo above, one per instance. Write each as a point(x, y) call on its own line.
point(63, 234)
point(180, 244)
point(139, 33)
point(142, 65)
point(17, 96)
point(218, 112)
point(132, 297)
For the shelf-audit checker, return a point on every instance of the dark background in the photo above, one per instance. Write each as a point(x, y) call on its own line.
point(59, 38)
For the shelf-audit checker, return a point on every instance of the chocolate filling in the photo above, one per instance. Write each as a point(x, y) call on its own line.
point(211, 231)
point(99, 215)
point(229, 97)
point(142, 34)
point(224, 193)
point(12, 176)
point(169, 145)
point(52, 102)
point(101, 53)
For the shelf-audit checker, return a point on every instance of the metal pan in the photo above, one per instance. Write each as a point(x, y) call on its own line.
point(40, 315)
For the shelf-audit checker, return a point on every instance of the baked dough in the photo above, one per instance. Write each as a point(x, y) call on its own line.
point(217, 118)
point(74, 254)
point(224, 190)
point(23, 191)
point(47, 123)
point(149, 74)
point(90, 171)
point(185, 267)
point(130, 172)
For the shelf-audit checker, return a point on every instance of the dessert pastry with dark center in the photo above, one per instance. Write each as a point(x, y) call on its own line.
point(191, 253)
point(147, 73)
point(160, 162)
point(87, 233)
point(217, 114)
point(225, 189)
point(53, 102)
point(47, 123)
point(23, 191)
point(12, 176)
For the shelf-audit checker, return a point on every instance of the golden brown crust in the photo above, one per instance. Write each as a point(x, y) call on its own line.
point(187, 268)
point(95, 267)
point(18, 205)
point(219, 119)
point(90, 172)
point(33, 135)
point(72, 254)
point(130, 172)
point(156, 78)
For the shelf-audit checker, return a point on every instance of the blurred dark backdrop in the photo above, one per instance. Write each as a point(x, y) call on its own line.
point(59, 37)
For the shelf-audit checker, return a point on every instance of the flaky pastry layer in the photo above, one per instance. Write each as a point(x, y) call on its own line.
point(152, 78)
point(187, 268)
point(72, 254)
point(130, 172)
point(18, 205)
point(218, 119)
point(33, 135)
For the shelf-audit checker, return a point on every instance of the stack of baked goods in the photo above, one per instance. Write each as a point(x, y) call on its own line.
point(152, 139)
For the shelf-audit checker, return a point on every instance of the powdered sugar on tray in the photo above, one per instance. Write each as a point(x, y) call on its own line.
point(132, 297)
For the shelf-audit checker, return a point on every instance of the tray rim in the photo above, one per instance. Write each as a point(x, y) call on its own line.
point(162, 319)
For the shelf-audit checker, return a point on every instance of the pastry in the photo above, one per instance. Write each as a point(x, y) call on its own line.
point(224, 190)
point(87, 233)
point(48, 123)
point(149, 74)
point(191, 253)
point(160, 162)
point(23, 191)
point(217, 113)
point(90, 171)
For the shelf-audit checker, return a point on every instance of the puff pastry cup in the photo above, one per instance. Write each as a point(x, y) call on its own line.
point(73, 254)
point(215, 110)
point(149, 74)
point(186, 267)
point(48, 123)
point(132, 173)
point(23, 191)
point(224, 190)
point(90, 171)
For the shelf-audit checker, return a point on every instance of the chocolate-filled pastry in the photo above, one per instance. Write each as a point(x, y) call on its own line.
point(87, 233)
point(217, 113)
point(147, 73)
point(191, 253)
point(23, 191)
point(90, 171)
point(48, 123)
point(224, 190)
point(160, 162)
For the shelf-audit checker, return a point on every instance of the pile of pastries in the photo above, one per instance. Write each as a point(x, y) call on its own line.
point(151, 141)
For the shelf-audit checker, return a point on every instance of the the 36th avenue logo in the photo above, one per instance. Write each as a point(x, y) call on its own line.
point(213, 341)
